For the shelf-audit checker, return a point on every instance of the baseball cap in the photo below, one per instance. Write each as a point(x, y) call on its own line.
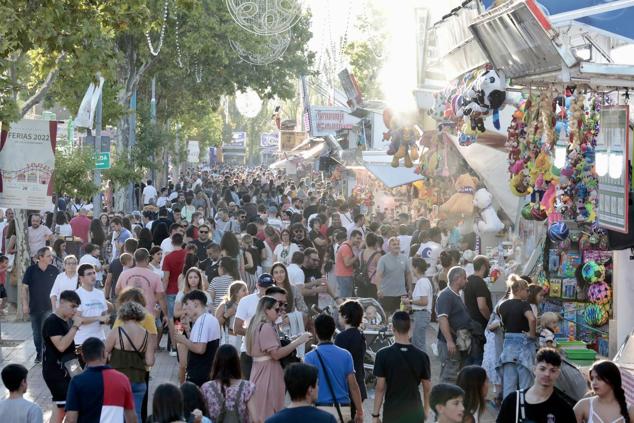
point(265, 280)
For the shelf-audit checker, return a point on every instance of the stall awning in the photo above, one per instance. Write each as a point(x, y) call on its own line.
point(312, 152)
point(490, 165)
point(378, 163)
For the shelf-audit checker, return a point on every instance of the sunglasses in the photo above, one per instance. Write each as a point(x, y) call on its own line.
point(203, 232)
point(284, 305)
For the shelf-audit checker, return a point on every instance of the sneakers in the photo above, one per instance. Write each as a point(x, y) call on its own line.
point(173, 353)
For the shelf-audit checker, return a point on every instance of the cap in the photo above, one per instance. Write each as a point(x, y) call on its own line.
point(265, 280)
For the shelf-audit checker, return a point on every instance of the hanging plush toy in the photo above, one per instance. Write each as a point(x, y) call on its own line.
point(460, 204)
point(487, 220)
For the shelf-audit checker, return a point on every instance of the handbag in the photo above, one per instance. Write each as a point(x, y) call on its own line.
point(338, 407)
point(292, 357)
point(463, 339)
point(70, 363)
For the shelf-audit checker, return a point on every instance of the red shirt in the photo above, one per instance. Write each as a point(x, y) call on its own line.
point(173, 263)
point(81, 227)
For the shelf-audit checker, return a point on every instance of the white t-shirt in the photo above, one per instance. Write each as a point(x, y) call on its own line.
point(296, 274)
point(90, 259)
point(423, 288)
point(406, 241)
point(275, 222)
point(285, 254)
point(149, 193)
point(63, 283)
point(430, 251)
point(173, 196)
point(205, 329)
point(93, 304)
point(64, 230)
point(161, 201)
point(246, 310)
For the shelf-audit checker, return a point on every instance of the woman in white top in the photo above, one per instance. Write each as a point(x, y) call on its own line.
point(65, 281)
point(62, 227)
point(193, 280)
point(421, 303)
point(285, 249)
point(157, 255)
point(608, 405)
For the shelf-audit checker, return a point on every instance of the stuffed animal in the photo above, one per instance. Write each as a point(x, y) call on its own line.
point(460, 204)
point(487, 220)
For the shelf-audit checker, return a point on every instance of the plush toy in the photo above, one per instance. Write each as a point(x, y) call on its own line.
point(460, 204)
point(487, 93)
point(487, 220)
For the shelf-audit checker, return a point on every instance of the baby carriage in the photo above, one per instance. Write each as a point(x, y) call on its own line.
point(375, 327)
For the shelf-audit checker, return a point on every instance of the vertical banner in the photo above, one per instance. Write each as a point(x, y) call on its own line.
point(193, 151)
point(27, 162)
point(614, 186)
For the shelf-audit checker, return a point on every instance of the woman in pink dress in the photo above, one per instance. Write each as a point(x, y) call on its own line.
point(263, 344)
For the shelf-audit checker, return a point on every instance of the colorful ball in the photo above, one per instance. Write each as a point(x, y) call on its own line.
point(596, 315)
point(592, 272)
point(558, 231)
point(527, 211)
point(539, 214)
point(599, 293)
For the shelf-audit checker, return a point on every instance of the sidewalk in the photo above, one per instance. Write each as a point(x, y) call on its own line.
point(17, 347)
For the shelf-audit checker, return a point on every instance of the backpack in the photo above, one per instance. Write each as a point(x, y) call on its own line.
point(225, 415)
point(361, 276)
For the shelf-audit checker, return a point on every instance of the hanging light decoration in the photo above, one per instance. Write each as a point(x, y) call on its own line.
point(272, 48)
point(157, 50)
point(248, 103)
point(265, 17)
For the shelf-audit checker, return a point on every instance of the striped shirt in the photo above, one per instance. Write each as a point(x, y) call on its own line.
point(220, 286)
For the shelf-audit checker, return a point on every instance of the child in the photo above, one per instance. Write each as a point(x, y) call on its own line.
point(371, 317)
point(127, 261)
point(447, 403)
point(550, 326)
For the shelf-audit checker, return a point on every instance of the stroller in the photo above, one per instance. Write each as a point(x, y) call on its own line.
point(375, 328)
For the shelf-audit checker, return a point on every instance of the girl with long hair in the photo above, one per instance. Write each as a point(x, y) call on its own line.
point(230, 247)
point(474, 382)
point(227, 388)
point(250, 254)
point(285, 249)
point(226, 311)
point(608, 405)
point(59, 248)
point(167, 405)
point(294, 296)
point(194, 405)
point(263, 344)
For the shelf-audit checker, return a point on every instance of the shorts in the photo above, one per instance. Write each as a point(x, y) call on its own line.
point(58, 385)
point(3, 292)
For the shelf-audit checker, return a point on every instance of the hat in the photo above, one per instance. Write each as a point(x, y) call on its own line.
point(265, 280)
point(468, 255)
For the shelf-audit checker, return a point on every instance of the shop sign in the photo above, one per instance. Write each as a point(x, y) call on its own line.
point(193, 151)
point(613, 140)
point(269, 141)
point(328, 120)
point(102, 161)
point(27, 161)
point(238, 141)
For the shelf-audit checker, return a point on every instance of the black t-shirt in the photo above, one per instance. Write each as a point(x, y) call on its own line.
point(210, 267)
point(201, 246)
point(54, 326)
point(553, 410)
point(512, 314)
point(115, 268)
point(40, 284)
point(353, 340)
point(310, 274)
point(475, 288)
point(310, 210)
point(303, 244)
point(403, 367)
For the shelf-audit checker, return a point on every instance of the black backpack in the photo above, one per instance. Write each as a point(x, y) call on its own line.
point(361, 277)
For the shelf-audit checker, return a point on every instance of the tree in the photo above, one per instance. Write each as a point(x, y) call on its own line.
point(73, 172)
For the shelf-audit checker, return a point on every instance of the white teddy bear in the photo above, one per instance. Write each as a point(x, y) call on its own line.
point(486, 219)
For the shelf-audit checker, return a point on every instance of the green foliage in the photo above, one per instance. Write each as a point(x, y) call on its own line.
point(73, 172)
point(123, 171)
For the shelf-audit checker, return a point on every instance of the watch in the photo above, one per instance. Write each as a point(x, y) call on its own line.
point(376, 416)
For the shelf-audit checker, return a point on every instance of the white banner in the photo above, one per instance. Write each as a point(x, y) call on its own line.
point(86, 113)
point(193, 151)
point(328, 120)
point(27, 161)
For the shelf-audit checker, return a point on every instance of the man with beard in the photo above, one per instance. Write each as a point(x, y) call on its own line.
point(314, 282)
point(298, 236)
point(477, 298)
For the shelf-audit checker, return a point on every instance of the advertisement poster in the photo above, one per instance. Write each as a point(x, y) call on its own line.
point(27, 162)
point(269, 141)
point(193, 151)
point(328, 120)
point(238, 141)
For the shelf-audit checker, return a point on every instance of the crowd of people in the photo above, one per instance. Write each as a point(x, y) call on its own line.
point(251, 277)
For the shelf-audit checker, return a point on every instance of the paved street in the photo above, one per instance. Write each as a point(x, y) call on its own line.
point(17, 347)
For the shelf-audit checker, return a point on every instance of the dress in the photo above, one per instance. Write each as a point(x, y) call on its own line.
point(267, 373)
point(214, 401)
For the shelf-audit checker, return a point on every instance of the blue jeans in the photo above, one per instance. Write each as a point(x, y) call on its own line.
point(37, 321)
point(171, 300)
point(138, 392)
point(419, 335)
point(517, 360)
point(344, 286)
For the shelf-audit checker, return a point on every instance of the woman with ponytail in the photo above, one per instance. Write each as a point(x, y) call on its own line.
point(608, 405)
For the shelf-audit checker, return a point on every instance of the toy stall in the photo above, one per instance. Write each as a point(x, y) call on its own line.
point(567, 145)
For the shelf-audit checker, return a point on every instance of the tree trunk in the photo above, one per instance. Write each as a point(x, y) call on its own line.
point(22, 254)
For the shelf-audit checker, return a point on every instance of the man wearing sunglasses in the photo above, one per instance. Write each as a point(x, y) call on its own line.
point(94, 309)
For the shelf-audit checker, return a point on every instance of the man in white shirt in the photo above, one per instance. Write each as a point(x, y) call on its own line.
point(203, 340)
point(94, 308)
point(421, 304)
point(273, 220)
point(149, 194)
point(405, 239)
point(295, 273)
point(245, 311)
point(91, 257)
point(358, 225)
point(162, 200)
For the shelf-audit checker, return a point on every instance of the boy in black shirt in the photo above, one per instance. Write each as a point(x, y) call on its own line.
point(539, 403)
